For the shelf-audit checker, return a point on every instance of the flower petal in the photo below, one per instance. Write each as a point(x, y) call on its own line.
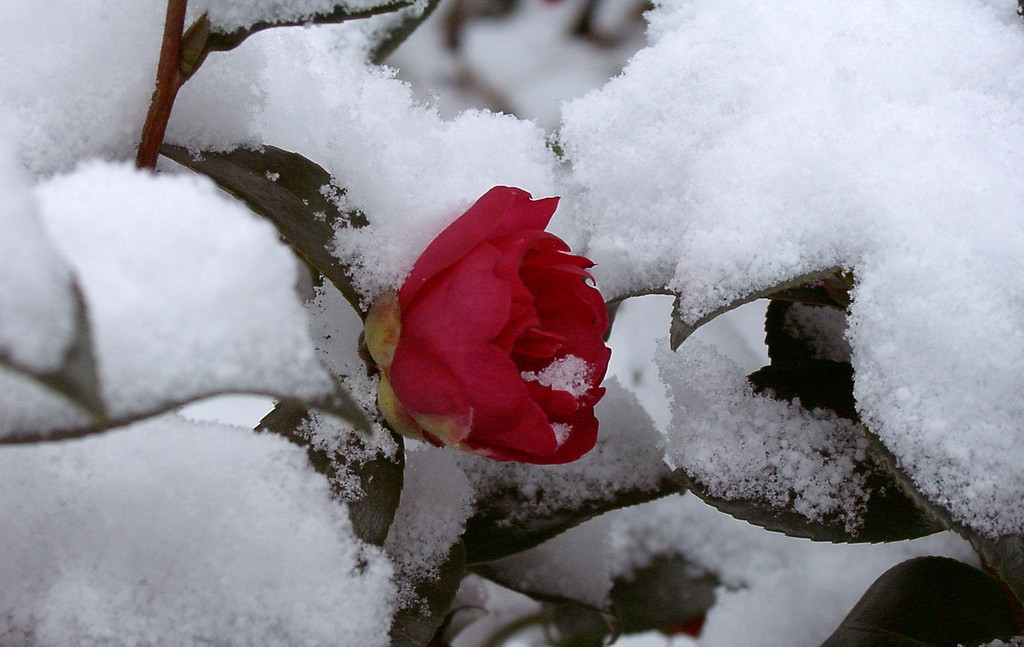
point(500, 211)
point(464, 304)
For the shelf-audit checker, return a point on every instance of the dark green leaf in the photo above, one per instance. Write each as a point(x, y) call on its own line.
point(793, 332)
point(929, 602)
point(396, 34)
point(800, 372)
point(669, 592)
point(1004, 555)
point(796, 288)
point(507, 521)
point(819, 384)
point(294, 201)
point(200, 39)
point(372, 508)
point(888, 513)
point(414, 625)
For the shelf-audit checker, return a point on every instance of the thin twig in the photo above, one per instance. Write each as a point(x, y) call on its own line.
point(168, 81)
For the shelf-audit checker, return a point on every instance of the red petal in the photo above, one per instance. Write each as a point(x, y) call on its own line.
point(464, 304)
point(504, 414)
point(581, 440)
point(555, 404)
point(500, 211)
point(423, 383)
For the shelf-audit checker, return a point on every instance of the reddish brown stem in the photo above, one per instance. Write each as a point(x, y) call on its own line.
point(168, 81)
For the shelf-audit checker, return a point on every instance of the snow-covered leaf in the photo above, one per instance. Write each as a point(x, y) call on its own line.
point(365, 475)
point(784, 450)
point(1003, 554)
point(44, 331)
point(413, 626)
point(519, 506)
point(809, 287)
point(929, 602)
point(425, 544)
point(888, 515)
point(297, 195)
point(232, 21)
point(572, 568)
point(188, 296)
point(232, 28)
point(571, 573)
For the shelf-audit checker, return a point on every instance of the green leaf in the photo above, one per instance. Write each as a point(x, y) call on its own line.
point(1004, 555)
point(670, 591)
point(415, 624)
point(797, 332)
point(508, 521)
point(797, 288)
point(888, 513)
point(371, 505)
point(294, 201)
point(929, 602)
point(200, 38)
point(395, 34)
point(819, 384)
point(802, 332)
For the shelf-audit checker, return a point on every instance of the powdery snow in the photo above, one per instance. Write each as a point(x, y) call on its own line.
point(408, 170)
point(37, 305)
point(741, 445)
point(172, 532)
point(79, 79)
point(188, 294)
point(753, 143)
point(570, 373)
point(436, 501)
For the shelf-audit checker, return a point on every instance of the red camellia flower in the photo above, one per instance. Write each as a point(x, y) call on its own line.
point(494, 343)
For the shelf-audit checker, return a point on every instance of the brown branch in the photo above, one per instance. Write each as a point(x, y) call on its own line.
point(168, 81)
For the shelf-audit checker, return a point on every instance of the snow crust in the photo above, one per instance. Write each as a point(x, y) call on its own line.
point(741, 445)
point(184, 533)
point(752, 143)
point(188, 294)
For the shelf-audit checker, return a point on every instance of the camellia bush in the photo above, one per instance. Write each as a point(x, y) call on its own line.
point(509, 390)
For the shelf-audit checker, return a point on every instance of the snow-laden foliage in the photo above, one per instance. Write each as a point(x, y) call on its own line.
point(873, 146)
